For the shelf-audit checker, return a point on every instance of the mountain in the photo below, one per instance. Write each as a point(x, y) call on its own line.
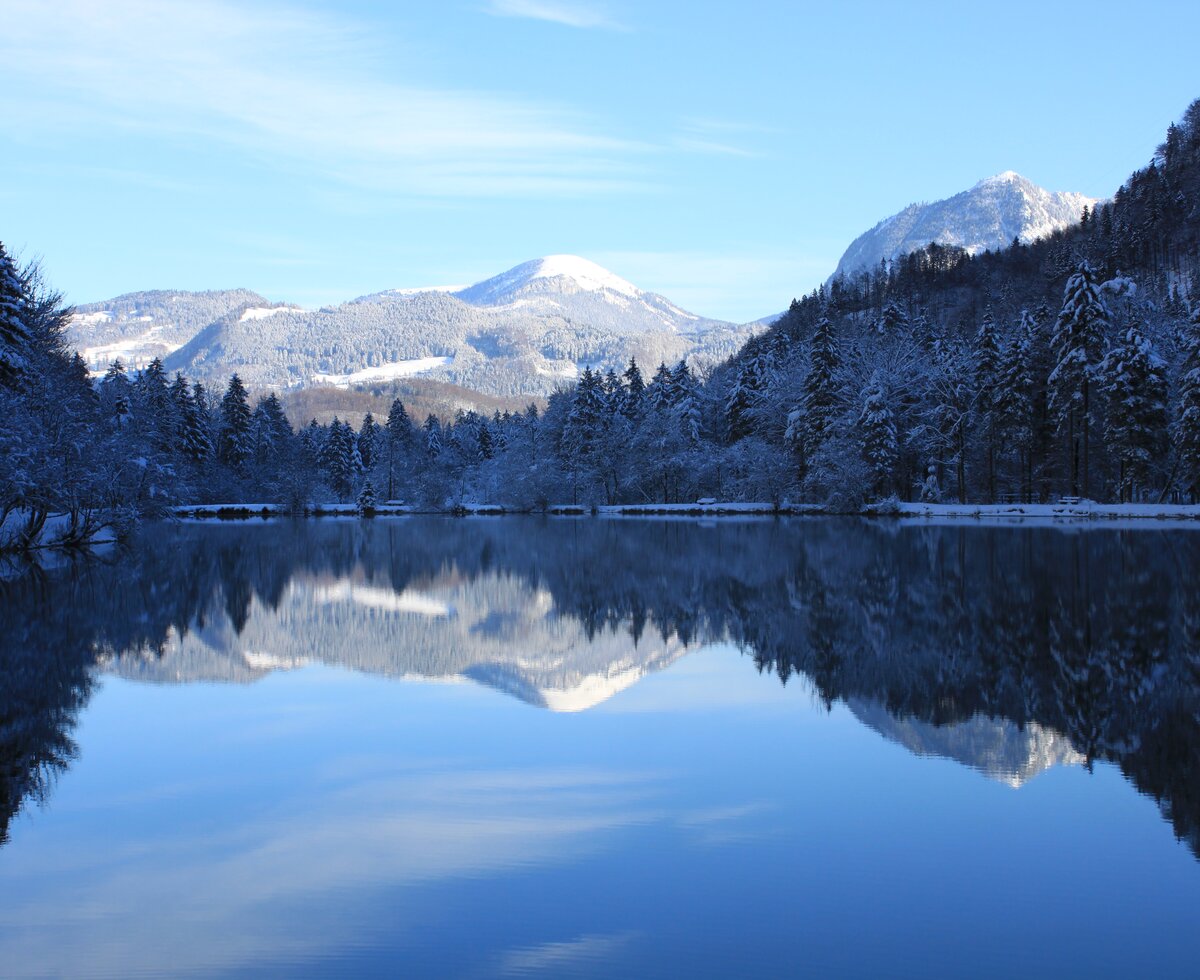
point(492, 629)
point(138, 327)
point(518, 333)
point(988, 216)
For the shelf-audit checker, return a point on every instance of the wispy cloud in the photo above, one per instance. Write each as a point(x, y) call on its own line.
point(570, 13)
point(299, 91)
point(568, 956)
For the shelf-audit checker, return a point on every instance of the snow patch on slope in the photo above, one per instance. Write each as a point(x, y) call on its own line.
point(384, 372)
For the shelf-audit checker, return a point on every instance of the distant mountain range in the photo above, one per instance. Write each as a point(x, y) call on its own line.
point(521, 332)
point(988, 216)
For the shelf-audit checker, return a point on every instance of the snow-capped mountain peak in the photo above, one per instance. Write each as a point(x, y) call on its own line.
point(988, 216)
point(552, 273)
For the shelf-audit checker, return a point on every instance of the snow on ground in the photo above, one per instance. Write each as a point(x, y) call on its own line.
point(1084, 510)
point(570, 371)
point(397, 369)
point(262, 312)
point(146, 345)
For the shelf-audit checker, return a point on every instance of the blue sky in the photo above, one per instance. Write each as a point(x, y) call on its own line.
point(722, 154)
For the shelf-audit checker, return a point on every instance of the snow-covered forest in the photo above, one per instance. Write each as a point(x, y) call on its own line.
point(1065, 367)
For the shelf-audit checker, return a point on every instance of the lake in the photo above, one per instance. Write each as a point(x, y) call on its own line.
point(584, 747)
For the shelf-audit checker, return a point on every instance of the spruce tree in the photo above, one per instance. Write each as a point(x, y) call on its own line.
point(878, 436)
point(233, 442)
point(1187, 422)
point(14, 330)
point(661, 391)
point(368, 441)
point(1013, 402)
point(820, 401)
point(635, 390)
point(433, 436)
point(1134, 380)
point(987, 373)
point(1078, 346)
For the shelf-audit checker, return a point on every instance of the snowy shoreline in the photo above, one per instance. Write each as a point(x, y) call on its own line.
point(909, 513)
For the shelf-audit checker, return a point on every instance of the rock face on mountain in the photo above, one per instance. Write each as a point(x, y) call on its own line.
point(521, 332)
point(988, 216)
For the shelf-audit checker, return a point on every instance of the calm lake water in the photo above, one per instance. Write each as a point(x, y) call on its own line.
point(522, 747)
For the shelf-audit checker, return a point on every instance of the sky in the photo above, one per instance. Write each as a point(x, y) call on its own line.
point(721, 154)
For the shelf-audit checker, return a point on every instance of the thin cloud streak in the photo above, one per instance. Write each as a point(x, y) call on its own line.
point(564, 12)
point(290, 85)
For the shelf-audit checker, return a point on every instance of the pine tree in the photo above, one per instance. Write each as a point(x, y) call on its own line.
point(115, 386)
point(337, 457)
point(810, 425)
point(635, 391)
point(1134, 380)
point(661, 391)
point(878, 436)
point(233, 442)
point(987, 373)
point(433, 436)
point(14, 330)
point(366, 499)
point(400, 440)
point(1013, 402)
point(1187, 423)
point(194, 441)
point(368, 441)
point(1078, 346)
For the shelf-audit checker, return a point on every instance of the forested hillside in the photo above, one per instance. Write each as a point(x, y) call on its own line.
point(1068, 366)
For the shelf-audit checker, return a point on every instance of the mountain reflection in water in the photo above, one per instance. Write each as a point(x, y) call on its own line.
point(1008, 650)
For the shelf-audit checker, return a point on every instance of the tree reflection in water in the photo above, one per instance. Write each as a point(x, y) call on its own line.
point(1005, 648)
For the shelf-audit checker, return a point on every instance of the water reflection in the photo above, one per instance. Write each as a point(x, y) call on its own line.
point(1005, 649)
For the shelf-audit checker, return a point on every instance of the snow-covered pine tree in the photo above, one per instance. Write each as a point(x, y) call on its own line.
point(1013, 403)
point(987, 373)
point(487, 445)
point(809, 426)
point(1187, 422)
point(233, 442)
point(878, 436)
point(687, 403)
point(635, 390)
point(1078, 346)
point(366, 499)
point(194, 441)
point(14, 331)
point(1134, 379)
point(369, 439)
point(661, 391)
point(433, 436)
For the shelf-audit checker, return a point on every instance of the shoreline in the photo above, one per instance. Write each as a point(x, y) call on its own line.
point(1084, 512)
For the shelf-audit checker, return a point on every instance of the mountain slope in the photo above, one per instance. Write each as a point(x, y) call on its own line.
point(521, 332)
point(988, 216)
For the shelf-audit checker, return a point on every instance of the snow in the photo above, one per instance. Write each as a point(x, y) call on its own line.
point(103, 316)
point(397, 369)
point(262, 312)
point(1085, 510)
point(591, 690)
point(580, 272)
point(146, 345)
